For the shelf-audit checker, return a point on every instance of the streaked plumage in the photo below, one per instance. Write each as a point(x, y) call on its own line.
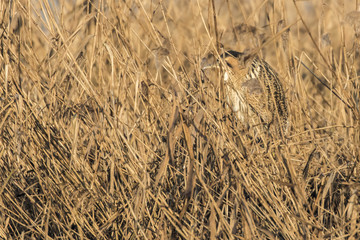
point(254, 91)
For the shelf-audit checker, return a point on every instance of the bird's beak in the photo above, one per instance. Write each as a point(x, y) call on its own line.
point(208, 67)
point(209, 62)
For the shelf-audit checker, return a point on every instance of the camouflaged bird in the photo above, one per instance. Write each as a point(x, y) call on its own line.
point(254, 91)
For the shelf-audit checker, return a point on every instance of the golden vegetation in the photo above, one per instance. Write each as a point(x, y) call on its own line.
point(111, 130)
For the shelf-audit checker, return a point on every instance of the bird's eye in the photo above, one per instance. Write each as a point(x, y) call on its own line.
point(229, 64)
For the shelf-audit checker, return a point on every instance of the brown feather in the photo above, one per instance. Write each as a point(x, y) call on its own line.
point(254, 90)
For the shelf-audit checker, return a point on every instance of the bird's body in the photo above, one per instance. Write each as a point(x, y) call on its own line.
point(254, 91)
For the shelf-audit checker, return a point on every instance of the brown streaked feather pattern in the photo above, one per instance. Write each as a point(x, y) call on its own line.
point(254, 89)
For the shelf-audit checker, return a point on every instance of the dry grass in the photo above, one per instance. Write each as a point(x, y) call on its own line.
point(110, 130)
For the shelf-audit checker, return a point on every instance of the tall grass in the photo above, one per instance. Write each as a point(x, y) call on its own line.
point(110, 129)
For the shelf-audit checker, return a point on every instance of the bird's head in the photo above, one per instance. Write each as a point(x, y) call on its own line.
point(234, 63)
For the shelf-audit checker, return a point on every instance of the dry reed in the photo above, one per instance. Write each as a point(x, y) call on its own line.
point(110, 129)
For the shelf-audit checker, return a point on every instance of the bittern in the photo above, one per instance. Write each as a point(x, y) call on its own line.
point(253, 90)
